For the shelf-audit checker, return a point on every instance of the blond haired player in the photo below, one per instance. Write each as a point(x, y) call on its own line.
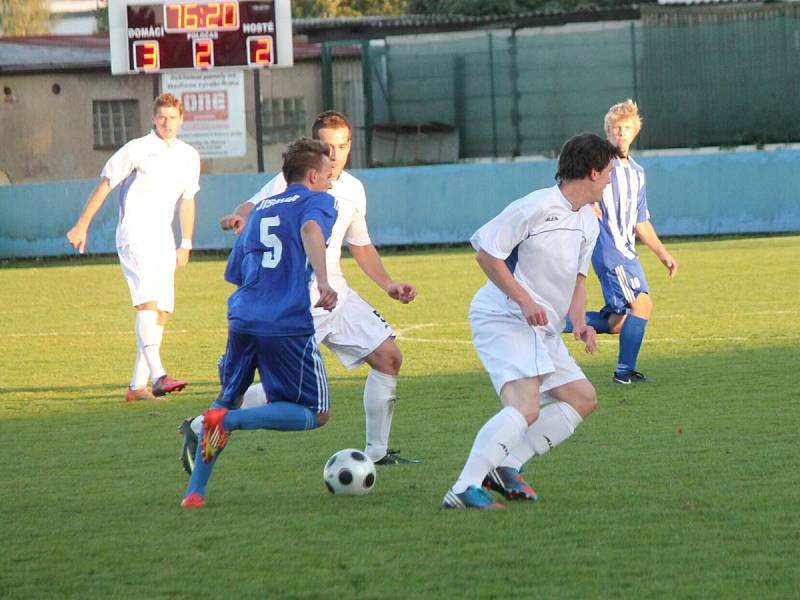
point(354, 330)
point(623, 216)
point(156, 172)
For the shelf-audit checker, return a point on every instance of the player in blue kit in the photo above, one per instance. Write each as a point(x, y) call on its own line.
point(354, 331)
point(270, 328)
point(623, 216)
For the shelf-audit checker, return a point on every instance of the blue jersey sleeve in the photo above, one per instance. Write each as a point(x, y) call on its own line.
point(321, 208)
point(233, 269)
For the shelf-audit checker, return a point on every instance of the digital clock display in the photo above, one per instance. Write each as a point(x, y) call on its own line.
point(201, 16)
point(201, 35)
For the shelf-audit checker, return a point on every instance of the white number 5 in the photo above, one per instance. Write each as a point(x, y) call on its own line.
point(274, 248)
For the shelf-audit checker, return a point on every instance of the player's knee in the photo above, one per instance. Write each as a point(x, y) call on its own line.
point(387, 359)
point(642, 306)
point(530, 411)
point(528, 406)
point(647, 301)
point(395, 360)
point(322, 418)
point(585, 401)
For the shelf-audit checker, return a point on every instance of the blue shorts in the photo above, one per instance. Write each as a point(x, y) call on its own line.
point(290, 367)
point(621, 285)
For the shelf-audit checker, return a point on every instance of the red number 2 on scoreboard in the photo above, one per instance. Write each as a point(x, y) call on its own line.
point(259, 50)
point(264, 51)
point(203, 54)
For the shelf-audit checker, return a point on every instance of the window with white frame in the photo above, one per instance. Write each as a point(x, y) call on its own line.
point(282, 119)
point(115, 122)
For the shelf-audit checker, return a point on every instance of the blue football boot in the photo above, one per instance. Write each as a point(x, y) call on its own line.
point(472, 497)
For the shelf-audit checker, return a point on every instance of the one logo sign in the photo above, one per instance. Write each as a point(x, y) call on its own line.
point(207, 105)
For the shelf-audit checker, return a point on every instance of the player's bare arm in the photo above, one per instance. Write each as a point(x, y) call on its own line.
point(498, 273)
point(314, 244)
point(237, 219)
point(577, 314)
point(369, 260)
point(647, 233)
point(186, 213)
point(78, 234)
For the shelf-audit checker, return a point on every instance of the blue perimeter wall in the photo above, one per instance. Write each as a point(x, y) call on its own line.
point(689, 194)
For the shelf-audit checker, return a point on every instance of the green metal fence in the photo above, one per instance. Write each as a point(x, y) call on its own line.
point(706, 76)
point(723, 77)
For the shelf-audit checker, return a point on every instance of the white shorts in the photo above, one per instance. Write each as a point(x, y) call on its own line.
point(510, 349)
point(150, 274)
point(353, 330)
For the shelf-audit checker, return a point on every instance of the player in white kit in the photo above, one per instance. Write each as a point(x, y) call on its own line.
point(157, 172)
point(536, 254)
point(354, 330)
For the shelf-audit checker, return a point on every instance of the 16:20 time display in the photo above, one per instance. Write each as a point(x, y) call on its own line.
point(201, 16)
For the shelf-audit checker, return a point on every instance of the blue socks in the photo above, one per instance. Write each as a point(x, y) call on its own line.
point(595, 319)
point(281, 416)
point(202, 470)
point(630, 337)
point(630, 342)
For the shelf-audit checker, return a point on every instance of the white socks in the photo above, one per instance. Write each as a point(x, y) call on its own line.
point(491, 447)
point(197, 424)
point(379, 397)
point(141, 371)
point(556, 423)
point(254, 396)
point(148, 337)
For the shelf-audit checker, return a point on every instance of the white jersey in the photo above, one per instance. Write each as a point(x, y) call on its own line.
point(350, 225)
point(154, 177)
point(545, 245)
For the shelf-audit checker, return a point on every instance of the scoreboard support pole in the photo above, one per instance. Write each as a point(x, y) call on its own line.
point(259, 125)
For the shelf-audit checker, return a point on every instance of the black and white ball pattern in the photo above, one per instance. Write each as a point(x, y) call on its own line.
point(349, 472)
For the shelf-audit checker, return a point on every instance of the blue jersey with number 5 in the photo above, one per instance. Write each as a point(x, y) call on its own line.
point(270, 266)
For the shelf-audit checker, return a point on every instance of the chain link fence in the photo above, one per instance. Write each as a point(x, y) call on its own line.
point(703, 76)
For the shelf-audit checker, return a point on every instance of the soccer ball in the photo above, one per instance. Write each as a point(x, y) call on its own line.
point(349, 472)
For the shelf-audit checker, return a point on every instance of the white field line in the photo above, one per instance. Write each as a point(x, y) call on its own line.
point(403, 335)
point(34, 334)
point(601, 339)
point(609, 340)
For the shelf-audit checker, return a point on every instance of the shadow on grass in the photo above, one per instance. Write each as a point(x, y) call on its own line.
point(206, 389)
point(739, 371)
point(94, 388)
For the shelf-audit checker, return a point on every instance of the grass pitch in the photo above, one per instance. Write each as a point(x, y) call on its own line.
point(685, 488)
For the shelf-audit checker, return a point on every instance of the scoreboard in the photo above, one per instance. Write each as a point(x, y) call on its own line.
point(154, 37)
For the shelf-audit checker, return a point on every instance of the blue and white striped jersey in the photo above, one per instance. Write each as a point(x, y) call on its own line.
point(623, 206)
